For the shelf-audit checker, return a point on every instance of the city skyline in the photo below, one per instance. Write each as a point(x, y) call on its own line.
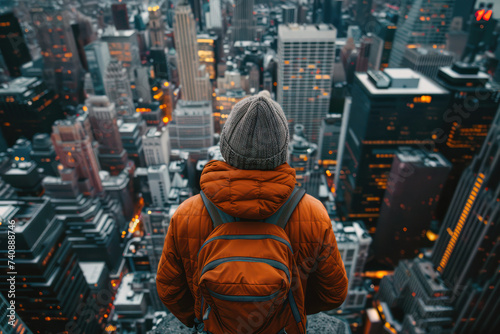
point(109, 112)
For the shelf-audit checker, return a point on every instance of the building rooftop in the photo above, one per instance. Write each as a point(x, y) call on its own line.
point(307, 33)
point(418, 83)
point(17, 86)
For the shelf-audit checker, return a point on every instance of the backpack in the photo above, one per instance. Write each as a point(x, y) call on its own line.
point(247, 275)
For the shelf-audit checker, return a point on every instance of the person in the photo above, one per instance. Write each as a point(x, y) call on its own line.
point(252, 184)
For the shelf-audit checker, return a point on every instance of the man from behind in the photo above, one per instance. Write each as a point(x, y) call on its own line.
point(251, 253)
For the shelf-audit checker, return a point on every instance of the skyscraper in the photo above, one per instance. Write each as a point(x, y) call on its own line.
point(156, 144)
point(353, 242)
point(120, 16)
point(466, 121)
point(214, 16)
point(62, 67)
point(191, 129)
point(74, 148)
point(289, 13)
point(193, 78)
point(156, 27)
point(98, 58)
point(329, 136)
point(466, 247)
point(51, 291)
point(305, 71)
point(243, 21)
point(382, 44)
point(413, 190)
point(103, 117)
point(118, 89)
point(27, 106)
point(13, 46)
point(425, 23)
point(159, 184)
point(383, 117)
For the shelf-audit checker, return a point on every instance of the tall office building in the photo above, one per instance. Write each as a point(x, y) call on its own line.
point(466, 121)
point(51, 291)
point(62, 67)
point(353, 242)
point(27, 106)
point(74, 148)
point(91, 223)
point(382, 44)
point(289, 13)
point(156, 144)
point(305, 71)
point(383, 117)
point(427, 60)
point(413, 190)
point(156, 27)
point(415, 299)
point(243, 25)
point(43, 154)
point(366, 43)
point(214, 15)
point(191, 129)
point(98, 58)
point(13, 46)
point(329, 136)
point(118, 89)
point(363, 12)
point(103, 117)
point(8, 326)
point(207, 49)
point(120, 16)
point(301, 155)
point(466, 247)
point(425, 23)
point(159, 184)
point(123, 46)
point(193, 78)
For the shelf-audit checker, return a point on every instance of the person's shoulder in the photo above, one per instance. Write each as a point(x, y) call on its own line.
point(311, 214)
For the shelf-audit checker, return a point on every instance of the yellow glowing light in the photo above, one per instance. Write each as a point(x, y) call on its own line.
point(165, 119)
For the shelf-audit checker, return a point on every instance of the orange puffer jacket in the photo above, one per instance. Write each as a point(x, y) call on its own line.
point(253, 195)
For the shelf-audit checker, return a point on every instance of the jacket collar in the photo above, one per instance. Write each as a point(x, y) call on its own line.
point(248, 194)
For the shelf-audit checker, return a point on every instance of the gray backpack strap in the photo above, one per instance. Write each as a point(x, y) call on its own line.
point(281, 217)
point(218, 216)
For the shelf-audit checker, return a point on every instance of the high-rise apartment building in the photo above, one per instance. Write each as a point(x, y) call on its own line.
point(413, 190)
point(305, 71)
point(383, 116)
point(243, 25)
point(421, 23)
point(194, 79)
point(13, 46)
point(74, 147)
point(103, 117)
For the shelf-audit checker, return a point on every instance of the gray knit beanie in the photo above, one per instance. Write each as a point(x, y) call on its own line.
point(255, 135)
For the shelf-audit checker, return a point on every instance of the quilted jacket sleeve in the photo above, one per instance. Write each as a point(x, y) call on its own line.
point(171, 280)
point(327, 283)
